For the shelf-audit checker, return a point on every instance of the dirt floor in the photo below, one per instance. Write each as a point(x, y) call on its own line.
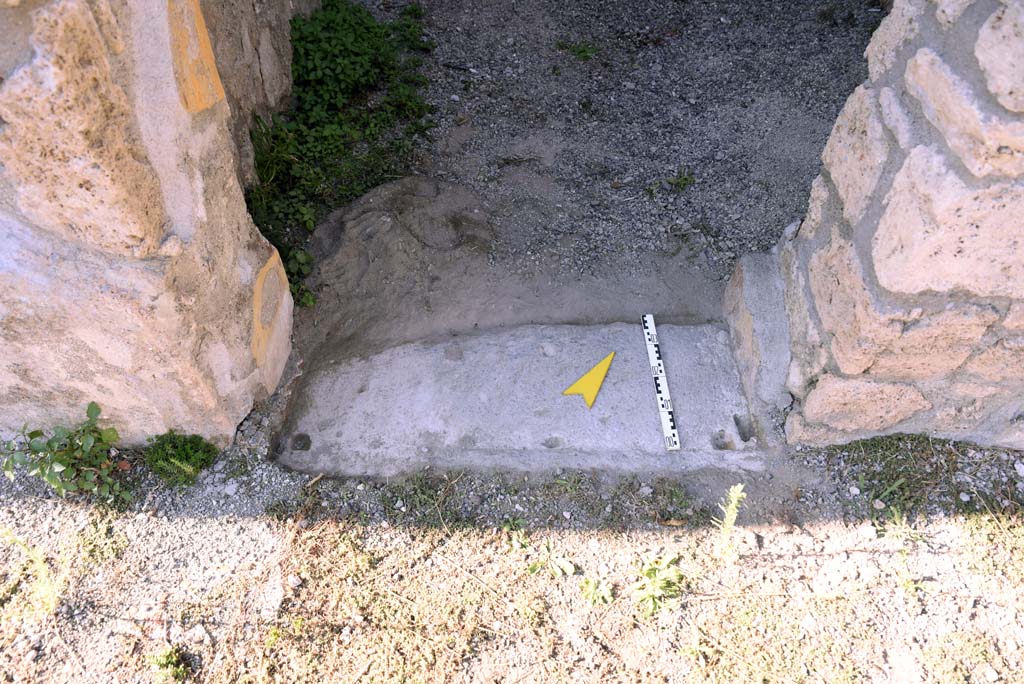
point(606, 143)
point(608, 135)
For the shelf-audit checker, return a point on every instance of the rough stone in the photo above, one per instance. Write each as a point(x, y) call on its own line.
point(1000, 52)
point(934, 345)
point(816, 208)
point(856, 152)
point(986, 143)
point(1014, 319)
point(899, 27)
point(755, 310)
point(896, 118)
point(1011, 435)
point(808, 356)
point(88, 179)
point(948, 11)
point(939, 234)
point(276, 82)
point(127, 340)
point(977, 412)
point(176, 314)
point(860, 331)
point(107, 23)
point(253, 54)
point(1002, 362)
point(891, 335)
point(798, 431)
point(856, 404)
point(971, 391)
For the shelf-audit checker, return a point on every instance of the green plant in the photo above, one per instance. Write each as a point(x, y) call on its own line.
point(273, 636)
point(178, 459)
point(596, 591)
point(357, 110)
point(515, 535)
point(78, 459)
point(913, 587)
point(299, 265)
point(730, 507)
point(582, 50)
point(660, 581)
point(682, 180)
point(671, 505)
point(898, 527)
point(100, 541)
point(570, 483)
point(550, 560)
point(45, 590)
point(173, 665)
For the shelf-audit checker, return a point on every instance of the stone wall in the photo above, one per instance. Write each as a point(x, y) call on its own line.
point(904, 284)
point(130, 271)
point(252, 46)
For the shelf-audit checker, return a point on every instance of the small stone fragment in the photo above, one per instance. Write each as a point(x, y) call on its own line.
point(948, 11)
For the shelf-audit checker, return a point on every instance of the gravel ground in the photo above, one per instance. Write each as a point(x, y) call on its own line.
point(570, 118)
point(261, 575)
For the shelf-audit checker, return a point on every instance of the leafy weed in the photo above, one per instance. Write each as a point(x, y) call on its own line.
point(70, 460)
point(660, 581)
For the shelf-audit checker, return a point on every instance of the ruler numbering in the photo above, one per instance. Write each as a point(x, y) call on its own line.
point(665, 410)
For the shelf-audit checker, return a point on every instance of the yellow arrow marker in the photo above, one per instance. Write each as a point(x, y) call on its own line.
point(590, 384)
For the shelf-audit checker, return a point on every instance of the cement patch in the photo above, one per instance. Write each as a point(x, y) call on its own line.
point(494, 401)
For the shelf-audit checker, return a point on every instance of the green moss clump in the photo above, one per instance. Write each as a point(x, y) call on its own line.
point(178, 459)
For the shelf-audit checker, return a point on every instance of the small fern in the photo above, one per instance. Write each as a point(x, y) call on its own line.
point(178, 459)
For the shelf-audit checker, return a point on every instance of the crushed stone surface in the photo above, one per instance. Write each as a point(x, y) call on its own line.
point(223, 569)
point(575, 155)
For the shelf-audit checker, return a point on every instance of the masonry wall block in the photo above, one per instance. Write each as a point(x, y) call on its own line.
point(904, 285)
